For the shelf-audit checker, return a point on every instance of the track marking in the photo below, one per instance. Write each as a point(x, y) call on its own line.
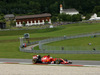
point(51, 64)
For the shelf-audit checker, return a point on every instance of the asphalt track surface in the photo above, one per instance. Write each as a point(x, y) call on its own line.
point(29, 61)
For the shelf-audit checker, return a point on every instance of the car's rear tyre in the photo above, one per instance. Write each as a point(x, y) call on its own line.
point(34, 61)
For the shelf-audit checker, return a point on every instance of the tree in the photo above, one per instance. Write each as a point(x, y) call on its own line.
point(24, 23)
point(68, 18)
point(62, 17)
point(12, 23)
point(79, 18)
point(88, 16)
point(54, 19)
point(47, 6)
point(54, 8)
point(96, 9)
point(2, 18)
point(98, 14)
point(76, 18)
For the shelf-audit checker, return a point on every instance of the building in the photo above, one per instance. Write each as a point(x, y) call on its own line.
point(9, 17)
point(68, 11)
point(29, 20)
point(94, 17)
point(2, 25)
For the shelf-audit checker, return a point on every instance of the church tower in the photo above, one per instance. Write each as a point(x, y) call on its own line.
point(61, 8)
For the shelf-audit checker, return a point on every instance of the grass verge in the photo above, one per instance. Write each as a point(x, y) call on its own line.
point(9, 48)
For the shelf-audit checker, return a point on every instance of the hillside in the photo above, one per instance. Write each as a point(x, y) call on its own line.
point(71, 29)
point(45, 6)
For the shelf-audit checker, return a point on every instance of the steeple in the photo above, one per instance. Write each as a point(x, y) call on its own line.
point(61, 7)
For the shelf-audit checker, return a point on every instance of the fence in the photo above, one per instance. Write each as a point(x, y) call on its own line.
point(61, 52)
point(66, 50)
point(47, 47)
point(43, 42)
point(31, 43)
point(28, 28)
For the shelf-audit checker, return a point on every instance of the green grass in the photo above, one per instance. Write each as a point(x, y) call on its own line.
point(9, 41)
point(30, 27)
point(71, 29)
point(76, 44)
point(13, 52)
point(31, 31)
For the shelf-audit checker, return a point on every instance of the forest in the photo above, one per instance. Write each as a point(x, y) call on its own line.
point(47, 6)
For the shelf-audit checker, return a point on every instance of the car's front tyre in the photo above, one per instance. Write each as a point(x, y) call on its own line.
point(34, 61)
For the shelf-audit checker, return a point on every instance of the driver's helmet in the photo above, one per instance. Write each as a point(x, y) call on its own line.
point(48, 55)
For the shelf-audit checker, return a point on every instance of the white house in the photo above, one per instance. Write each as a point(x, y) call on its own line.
point(68, 11)
point(94, 17)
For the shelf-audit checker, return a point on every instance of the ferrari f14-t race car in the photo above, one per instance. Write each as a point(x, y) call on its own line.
point(49, 60)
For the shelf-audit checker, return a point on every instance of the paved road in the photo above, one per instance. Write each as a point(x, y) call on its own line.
point(29, 61)
point(30, 47)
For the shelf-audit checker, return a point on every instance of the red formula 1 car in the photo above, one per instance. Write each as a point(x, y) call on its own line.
point(49, 60)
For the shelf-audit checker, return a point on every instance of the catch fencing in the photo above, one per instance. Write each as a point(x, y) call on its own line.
point(66, 50)
point(71, 48)
point(42, 43)
point(61, 52)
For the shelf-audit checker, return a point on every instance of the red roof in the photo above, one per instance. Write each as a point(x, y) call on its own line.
point(33, 16)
